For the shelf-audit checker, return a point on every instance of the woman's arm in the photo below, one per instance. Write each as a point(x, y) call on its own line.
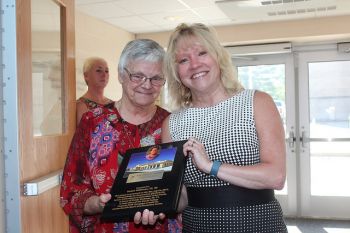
point(81, 108)
point(76, 186)
point(270, 173)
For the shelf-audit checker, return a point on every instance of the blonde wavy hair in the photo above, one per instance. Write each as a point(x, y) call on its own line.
point(180, 96)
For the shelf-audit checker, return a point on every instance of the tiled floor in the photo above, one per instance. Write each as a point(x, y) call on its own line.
point(317, 226)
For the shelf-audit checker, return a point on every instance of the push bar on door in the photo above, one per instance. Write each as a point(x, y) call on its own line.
point(42, 184)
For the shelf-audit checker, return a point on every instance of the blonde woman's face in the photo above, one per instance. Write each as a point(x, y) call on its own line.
point(98, 75)
point(196, 67)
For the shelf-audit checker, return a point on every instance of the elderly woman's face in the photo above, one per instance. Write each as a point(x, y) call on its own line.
point(197, 69)
point(142, 94)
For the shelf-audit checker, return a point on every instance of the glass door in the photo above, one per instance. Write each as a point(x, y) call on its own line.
point(274, 74)
point(324, 101)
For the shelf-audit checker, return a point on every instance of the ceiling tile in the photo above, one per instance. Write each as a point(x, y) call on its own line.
point(150, 6)
point(104, 10)
point(182, 16)
point(199, 3)
point(220, 22)
point(210, 13)
point(130, 22)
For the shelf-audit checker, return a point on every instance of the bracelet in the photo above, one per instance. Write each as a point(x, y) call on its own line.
point(215, 168)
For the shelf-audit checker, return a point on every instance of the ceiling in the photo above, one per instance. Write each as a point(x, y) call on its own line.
point(146, 16)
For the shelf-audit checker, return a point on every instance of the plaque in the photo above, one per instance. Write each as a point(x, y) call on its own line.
point(148, 178)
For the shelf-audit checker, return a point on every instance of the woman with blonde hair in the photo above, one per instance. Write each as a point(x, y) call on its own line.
point(235, 136)
point(96, 75)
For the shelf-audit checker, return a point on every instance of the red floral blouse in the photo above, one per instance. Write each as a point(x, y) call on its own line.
point(90, 104)
point(92, 165)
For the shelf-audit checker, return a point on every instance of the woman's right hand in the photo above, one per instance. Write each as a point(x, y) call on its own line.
point(95, 204)
point(199, 156)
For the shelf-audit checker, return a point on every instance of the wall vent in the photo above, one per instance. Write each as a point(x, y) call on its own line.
point(246, 11)
point(301, 11)
point(276, 2)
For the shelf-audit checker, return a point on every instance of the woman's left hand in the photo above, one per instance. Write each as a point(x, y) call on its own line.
point(196, 151)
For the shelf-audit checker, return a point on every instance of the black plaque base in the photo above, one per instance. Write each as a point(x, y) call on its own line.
point(148, 178)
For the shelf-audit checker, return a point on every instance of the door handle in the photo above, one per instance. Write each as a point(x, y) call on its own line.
point(291, 139)
point(303, 139)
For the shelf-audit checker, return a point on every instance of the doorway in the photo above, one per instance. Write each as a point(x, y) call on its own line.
point(311, 89)
point(324, 100)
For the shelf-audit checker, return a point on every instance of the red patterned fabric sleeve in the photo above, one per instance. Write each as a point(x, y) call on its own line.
point(76, 185)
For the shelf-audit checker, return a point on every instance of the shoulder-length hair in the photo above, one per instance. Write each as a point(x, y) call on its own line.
point(180, 95)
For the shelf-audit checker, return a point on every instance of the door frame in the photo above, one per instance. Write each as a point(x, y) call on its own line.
point(10, 126)
point(24, 213)
point(316, 206)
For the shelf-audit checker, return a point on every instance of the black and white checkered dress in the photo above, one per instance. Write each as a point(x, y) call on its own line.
point(228, 132)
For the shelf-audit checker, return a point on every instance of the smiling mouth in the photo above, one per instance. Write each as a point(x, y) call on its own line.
point(199, 75)
point(144, 93)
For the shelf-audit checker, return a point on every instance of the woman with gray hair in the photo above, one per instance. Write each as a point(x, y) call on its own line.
point(104, 135)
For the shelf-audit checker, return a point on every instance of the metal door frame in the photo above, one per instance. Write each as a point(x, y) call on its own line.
point(10, 117)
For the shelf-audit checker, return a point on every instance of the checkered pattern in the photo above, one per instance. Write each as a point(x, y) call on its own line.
point(228, 133)
point(254, 219)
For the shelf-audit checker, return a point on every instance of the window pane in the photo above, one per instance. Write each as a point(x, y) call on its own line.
point(46, 69)
point(329, 88)
point(267, 78)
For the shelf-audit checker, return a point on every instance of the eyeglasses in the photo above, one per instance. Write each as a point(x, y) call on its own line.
point(138, 78)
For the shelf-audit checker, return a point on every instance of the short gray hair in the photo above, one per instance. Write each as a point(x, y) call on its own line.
point(140, 49)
